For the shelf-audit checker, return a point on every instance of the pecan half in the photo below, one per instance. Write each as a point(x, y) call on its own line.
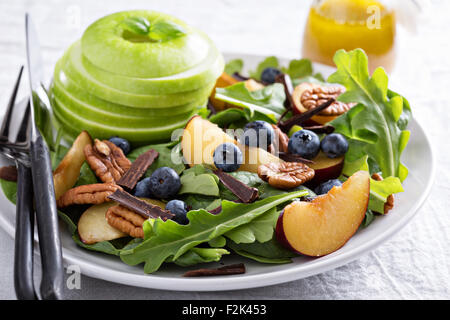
point(389, 204)
point(280, 141)
point(126, 221)
point(87, 194)
point(285, 175)
point(107, 160)
point(308, 96)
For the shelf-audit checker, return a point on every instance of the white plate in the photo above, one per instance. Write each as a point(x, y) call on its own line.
point(418, 157)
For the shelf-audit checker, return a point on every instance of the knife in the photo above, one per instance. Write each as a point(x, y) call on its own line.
point(42, 176)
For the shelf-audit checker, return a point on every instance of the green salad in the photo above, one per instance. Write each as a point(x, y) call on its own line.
point(317, 177)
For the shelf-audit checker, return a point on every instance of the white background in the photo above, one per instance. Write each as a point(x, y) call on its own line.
point(415, 264)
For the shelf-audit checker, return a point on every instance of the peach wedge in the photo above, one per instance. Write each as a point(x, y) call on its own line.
point(325, 224)
point(201, 137)
point(66, 174)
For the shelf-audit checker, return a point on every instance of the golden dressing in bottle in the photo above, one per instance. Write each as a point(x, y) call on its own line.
point(350, 24)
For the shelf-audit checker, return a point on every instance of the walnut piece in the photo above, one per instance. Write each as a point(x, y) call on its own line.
point(389, 204)
point(285, 175)
point(107, 160)
point(126, 221)
point(87, 194)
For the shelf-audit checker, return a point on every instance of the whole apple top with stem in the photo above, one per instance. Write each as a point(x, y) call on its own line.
point(159, 45)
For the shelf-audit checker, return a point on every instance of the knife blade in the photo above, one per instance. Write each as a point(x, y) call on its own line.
point(42, 176)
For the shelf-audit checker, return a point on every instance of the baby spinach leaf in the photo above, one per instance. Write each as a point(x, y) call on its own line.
point(168, 157)
point(202, 183)
point(374, 122)
point(170, 239)
point(267, 252)
point(199, 255)
point(233, 66)
point(299, 68)
point(87, 176)
point(271, 62)
point(268, 101)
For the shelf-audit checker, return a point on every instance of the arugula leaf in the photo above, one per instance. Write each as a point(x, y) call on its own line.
point(379, 190)
point(259, 229)
point(137, 25)
point(267, 252)
point(266, 63)
point(169, 239)
point(168, 157)
point(165, 30)
point(234, 118)
point(233, 66)
point(372, 126)
point(218, 242)
point(368, 219)
point(268, 101)
point(199, 255)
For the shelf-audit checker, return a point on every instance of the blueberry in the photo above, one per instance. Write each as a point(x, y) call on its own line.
point(179, 209)
point(305, 143)
point(269, 74)
point(324, 187)
point(258, 134)
point(164, 183)
point(142, 189)
point(122, 143)
point(227, 157)
point(334, 145)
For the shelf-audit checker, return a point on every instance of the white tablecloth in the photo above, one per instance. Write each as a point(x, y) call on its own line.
point(415, 264)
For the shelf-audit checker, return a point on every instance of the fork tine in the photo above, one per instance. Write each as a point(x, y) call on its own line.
point(23, 133)
point(4, 131)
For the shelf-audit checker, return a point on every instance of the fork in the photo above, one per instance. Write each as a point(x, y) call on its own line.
point(14, 147)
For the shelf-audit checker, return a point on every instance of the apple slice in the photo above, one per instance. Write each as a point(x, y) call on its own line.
point(66, 174)
point(93, 226)
point(201, 137)
point(325, 168)
point(326, 223)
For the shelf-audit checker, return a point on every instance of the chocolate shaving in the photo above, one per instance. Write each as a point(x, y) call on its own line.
point(137, 169)
point(286, 81)
point(238, 268)
point(216, 210)
point(301, 118)
point(289, 157)
point(139, 206)
point(211, 108)
point(327, 129)
point(245, 193)
point(239, 77)
point(8, 173)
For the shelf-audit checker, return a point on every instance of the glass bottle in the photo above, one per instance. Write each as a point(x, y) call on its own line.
point(351, 24)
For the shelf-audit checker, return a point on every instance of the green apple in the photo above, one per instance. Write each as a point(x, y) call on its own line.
point(75, 70)
point(115, 120)
point(73, 124)
point(199, 76)
point(106, 46)
point(67, 90)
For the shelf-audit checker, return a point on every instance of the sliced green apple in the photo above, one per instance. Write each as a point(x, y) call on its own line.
point(75, 70)
point(67, 90)
point(73, 124)
point(199, 76)
point(105, 46)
